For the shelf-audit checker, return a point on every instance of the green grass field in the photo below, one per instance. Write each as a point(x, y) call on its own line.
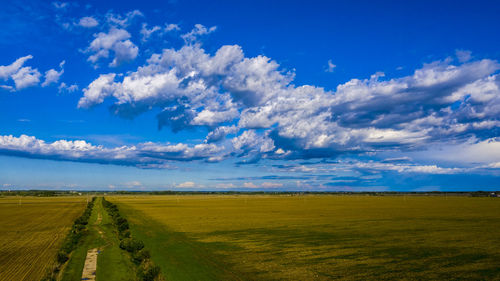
point(31, 232)
point(318, 237)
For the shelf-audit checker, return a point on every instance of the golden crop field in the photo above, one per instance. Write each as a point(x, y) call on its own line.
point(31, 230)
point(318, 237)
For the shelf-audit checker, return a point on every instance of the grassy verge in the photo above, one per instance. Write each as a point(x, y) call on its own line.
point(112, 263)
point(141, 257)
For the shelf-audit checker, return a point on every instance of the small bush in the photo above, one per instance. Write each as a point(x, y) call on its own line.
point(131, 245)
point(149, 272)
point(141, 256)
point(122, 227)
point(124, 234)
point(62, 257)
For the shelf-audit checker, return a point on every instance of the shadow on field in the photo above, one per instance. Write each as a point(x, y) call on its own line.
point(179, 256)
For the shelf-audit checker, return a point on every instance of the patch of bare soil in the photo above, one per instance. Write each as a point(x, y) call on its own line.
point(89, 269)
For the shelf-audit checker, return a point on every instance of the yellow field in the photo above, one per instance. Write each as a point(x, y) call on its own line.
point(31, 233)
point(318, 237)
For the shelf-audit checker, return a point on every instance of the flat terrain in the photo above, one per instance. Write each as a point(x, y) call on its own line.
point(31, 231)
point(113, 264)
point(223, 237)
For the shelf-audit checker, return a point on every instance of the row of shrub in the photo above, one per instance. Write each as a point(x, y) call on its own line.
point(146, 269)
point(78, 230)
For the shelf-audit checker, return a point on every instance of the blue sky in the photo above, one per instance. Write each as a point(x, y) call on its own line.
point(232, 95)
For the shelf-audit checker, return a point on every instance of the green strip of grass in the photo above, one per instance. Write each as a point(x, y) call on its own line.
point(112, 263)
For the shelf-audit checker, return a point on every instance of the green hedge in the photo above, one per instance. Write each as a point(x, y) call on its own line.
point(146, 269)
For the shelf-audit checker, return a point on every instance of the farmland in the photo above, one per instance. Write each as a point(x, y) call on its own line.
point(31, 231)
point(318, 237)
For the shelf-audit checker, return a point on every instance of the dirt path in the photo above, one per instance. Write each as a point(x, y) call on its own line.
point(102, 249)
point(98, 222)
point(90, 266)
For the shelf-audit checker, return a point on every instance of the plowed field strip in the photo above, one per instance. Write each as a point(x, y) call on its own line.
point(31, 233)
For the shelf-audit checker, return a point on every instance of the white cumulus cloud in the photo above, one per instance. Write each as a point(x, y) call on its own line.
point(23, 76)
point(143, 155)
point(88, 22)
point(52, 75)
point(196, 32)
point(187, 184)
point(116, 40)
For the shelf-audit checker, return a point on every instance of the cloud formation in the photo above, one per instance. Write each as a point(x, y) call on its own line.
point(187, 184)
point(143, 155)
point(23, 76)
point(196, 32)
point(441, 101)
point(88, 22)
point(146, 33)
point(63, 87)
point(52, 75)
point(116, 40)
point(171, 27)
point(27, 76)
point(123, 20)
point(330, 67)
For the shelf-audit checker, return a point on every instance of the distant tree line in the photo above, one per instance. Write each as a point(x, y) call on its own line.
point(37, 193)
point(51, 193)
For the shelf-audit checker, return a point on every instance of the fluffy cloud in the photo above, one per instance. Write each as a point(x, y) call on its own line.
point(171, 27)
point(249, 185)
point(463, 55)
point(441, 101)
point(250, 141)
point(262, 185)
point(60, 5)
point(143, 155)
point(330, 67)
point(146, 33)
point(123, 20)
point(52, 75)
point(196, 32)
point(26, 77)
point(271, 185)
point(7, 71)
point(68, 89)
point(187, 184)
point(469, 153)
point(116, 40)
point(23, 77)
point(220, 133)
point(99, 89)
point(371, 167)
point(130, 184)
point(88, 22)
